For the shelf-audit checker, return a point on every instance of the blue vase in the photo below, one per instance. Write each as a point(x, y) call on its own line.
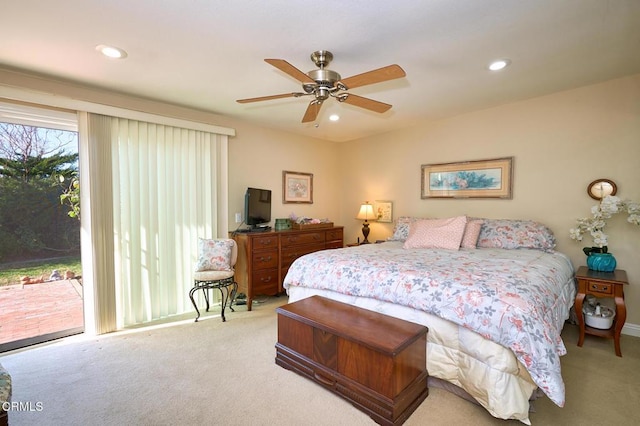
point(601, 262)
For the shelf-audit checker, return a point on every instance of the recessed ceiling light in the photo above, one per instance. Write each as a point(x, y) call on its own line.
point(334, 117)
point(111, 51)
point(499, 64)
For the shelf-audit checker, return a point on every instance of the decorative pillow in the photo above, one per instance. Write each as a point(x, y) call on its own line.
point(513, 234)
point(401, 228)
point(215, 255)
point(437, 233)
point(471, 233)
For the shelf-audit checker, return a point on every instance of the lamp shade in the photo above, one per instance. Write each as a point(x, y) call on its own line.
point(366, 212)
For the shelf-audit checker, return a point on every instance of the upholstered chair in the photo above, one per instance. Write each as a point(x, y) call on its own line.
point(216, 260)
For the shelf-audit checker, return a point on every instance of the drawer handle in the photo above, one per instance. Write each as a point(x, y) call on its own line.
point(265, 259)
point(266, 280)
point(603, 288)
point(265, 242)
point(323, 380)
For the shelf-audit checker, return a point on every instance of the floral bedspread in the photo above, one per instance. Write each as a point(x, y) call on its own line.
point(517, 298)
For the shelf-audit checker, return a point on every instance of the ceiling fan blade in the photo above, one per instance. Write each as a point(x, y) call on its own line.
point(366, 103)
point(312, 111)
point(268, 98)
point(390, 72)
point(294, 72)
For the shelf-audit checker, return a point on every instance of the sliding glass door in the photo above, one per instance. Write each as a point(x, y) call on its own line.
point(41, 295)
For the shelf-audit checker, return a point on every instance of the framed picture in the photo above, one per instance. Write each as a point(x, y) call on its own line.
point(469, 179)
point(297, 187)
point(384, 210)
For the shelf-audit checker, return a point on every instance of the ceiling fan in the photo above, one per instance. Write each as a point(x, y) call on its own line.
point(324, 83)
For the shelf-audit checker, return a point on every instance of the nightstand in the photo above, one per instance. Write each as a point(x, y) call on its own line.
point(602, 284)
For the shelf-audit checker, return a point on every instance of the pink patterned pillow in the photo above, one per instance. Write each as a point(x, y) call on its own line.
point(214, 255)
point(437, 233)
point(471, 233)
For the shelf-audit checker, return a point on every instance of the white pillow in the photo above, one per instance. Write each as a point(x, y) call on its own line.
point(437, 233)
point(214, 255)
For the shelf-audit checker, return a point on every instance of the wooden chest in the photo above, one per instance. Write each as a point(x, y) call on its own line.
point(375, 361)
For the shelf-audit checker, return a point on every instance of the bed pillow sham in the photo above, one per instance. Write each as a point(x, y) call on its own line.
point(514, 234)
point(471, 233)
point(401, 228)
point(436, 233)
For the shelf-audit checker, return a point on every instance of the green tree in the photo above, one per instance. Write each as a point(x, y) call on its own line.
point(38, 167)
point(33, 222)
point(71, 195)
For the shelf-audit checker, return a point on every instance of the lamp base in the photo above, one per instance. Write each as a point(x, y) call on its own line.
point(365, 232)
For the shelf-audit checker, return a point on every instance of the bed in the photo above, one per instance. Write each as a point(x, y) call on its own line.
point(493, 292)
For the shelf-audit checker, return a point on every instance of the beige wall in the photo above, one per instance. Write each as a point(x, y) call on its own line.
point(560, 143)
point(257, 158)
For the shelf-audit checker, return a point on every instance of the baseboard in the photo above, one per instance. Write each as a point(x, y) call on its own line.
point(631, 330)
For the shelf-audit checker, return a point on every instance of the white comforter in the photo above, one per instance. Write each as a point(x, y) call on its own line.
point(475, 302)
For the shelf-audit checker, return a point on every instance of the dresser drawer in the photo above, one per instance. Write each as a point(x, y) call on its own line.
point(334, 234)
point(266, 242)
point(289, 254)
point(265, 259)
point(305, 238)
point(265, 281)
point(334, 244)
point(595, 287)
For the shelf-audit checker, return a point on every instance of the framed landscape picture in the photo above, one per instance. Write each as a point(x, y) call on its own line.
point(297, 187)
point(469, 179)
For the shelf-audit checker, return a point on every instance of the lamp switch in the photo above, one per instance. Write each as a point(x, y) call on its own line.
point(238, 217)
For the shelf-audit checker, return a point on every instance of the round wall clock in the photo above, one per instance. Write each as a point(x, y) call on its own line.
point(600, 188)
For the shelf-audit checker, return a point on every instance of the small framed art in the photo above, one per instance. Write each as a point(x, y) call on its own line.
point(297, 187)
point(383, 210)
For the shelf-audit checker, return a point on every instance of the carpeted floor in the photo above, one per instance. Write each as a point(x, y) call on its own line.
point(214, 373)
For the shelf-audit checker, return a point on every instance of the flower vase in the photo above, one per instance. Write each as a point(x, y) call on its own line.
point(601, 262)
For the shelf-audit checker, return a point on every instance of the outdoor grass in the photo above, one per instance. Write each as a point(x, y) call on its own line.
point(10, 273)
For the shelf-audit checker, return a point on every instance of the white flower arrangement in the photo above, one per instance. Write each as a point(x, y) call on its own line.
point(609, 206)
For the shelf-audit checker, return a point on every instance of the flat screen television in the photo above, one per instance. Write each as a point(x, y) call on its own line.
point(257, 207)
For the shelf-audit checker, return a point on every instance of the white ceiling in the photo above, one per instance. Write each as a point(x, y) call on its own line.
point(205, 54)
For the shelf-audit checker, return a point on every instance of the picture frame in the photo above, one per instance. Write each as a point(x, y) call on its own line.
point(468, 179)
point(383, 210)
point(297, 187)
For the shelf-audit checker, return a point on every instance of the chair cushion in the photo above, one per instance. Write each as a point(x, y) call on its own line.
point(212, 275)
point(216, 254)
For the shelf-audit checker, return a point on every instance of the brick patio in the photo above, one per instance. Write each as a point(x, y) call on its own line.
point(39, 309)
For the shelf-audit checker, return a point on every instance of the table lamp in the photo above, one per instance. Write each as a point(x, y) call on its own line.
point(366, 213)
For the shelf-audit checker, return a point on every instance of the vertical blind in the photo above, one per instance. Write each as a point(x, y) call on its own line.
point(169, 188)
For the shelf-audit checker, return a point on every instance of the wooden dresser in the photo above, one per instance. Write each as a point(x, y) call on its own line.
point(376, 362)
point(265, 257)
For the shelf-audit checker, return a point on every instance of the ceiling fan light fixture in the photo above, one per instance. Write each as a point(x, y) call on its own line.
point(111, 51)
point(499, 64)
point(323, 83)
